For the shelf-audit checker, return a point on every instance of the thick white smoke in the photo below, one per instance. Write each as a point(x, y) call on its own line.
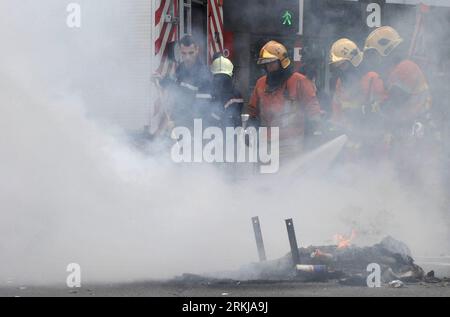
point(72, 188)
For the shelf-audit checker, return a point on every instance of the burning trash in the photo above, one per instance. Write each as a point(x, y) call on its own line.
point(390, 261)
point(347, 264)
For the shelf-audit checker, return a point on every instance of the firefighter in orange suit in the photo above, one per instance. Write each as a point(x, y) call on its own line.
point(285, 99)
point(409, 99)
point(414, 136)
point(358, 97)
point(359, 90)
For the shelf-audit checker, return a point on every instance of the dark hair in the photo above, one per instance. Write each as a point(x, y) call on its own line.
point(188, 40)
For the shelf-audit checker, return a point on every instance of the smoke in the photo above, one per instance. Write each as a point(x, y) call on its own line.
point(74, 189)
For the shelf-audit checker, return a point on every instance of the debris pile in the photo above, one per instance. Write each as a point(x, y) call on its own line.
point(351, 265)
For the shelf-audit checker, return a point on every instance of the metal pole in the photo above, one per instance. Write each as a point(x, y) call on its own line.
point(301, 4)
point(259, 239)
point(181, 26)
point(293, 241)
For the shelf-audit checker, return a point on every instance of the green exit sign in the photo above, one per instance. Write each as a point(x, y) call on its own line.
point(287, 18)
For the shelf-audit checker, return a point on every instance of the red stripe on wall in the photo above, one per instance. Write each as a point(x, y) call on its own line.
point(159, 12)
point(219, 16)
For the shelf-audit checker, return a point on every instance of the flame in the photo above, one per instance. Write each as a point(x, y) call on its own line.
point(344, 242)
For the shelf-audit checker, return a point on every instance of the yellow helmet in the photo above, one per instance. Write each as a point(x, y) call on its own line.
point(345, 50)
point(274, 51)
point(384, 40)
point(222, 65)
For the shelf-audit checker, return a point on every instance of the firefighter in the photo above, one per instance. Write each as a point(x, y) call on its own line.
point(227, 102)
point(373, 97)
point(189, 92)
point(409, 100)
point(192, 73)
point(284, 99)
point(345, 57)
point(358, 96)
point(414, 137)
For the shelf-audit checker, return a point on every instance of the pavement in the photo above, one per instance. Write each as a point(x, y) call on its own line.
point(243, 289)
point(180, 288)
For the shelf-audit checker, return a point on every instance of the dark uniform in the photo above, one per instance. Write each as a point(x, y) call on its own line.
point(189, 95)
point(227, 103)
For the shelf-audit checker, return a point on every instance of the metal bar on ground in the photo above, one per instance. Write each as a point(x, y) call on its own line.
point(259, 239)
point(293, 241)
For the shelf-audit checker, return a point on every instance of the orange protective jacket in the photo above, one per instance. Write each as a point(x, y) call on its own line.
point(409, 78)
point(368, 92)
point(288, 107)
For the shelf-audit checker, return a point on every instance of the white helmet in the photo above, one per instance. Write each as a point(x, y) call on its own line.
point(222, 65)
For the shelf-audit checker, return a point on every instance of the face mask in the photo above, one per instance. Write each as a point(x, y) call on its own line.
point(222, 84)
point(277, 78)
